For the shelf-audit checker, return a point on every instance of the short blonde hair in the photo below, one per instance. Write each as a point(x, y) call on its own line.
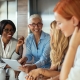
point(35, 16)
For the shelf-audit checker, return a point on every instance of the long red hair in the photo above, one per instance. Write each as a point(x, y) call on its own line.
point(68, 8)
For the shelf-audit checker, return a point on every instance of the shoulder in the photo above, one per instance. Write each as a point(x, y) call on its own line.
point(45, 35)
point(14, 40)
point(29, 37)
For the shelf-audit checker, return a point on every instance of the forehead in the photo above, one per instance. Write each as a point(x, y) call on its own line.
point(58, 17)
point(35, 20)
point(8, 26)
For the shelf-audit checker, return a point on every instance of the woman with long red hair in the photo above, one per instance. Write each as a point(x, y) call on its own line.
point(67, 16)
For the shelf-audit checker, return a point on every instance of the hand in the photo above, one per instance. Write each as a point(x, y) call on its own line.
point(16, 73)
point(20, 41)
point(7, 66)
point(23, 60)
point(75, 38)
point(33, 74)
point(27, 67)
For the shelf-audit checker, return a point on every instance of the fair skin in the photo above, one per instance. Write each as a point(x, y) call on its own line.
point(47, 73)
point(35, 26)
point(69, 27)
point(64, 25)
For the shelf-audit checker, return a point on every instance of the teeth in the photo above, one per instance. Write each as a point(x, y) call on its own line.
point(36, 30)
point(9, 35)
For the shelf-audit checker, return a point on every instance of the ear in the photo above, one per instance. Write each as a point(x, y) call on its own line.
point(75, 21)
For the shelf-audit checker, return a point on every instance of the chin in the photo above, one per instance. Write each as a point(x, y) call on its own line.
point(67, 35)
point(9, 38)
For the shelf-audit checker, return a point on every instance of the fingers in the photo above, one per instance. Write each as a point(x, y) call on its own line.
point(29, 77)
point(16, 73)
point(22, 38)
point(20, 41)
point(22, 68)
point(76, 31)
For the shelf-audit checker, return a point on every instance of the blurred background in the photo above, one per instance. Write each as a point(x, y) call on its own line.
point(19, 11)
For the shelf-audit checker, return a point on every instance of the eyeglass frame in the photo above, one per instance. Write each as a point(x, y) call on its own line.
point(38, 24)
point(7, 30)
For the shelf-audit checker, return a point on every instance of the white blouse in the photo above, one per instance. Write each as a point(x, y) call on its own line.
point(75, 70)
point(5, 53)
point(7, 49)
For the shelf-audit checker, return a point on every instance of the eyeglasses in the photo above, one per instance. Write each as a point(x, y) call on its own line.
point(38, 24)
point(7, 30)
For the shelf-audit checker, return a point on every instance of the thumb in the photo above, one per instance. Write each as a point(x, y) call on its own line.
point(75, 30)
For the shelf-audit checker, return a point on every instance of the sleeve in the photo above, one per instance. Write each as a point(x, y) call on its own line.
point(2, 64)
point(45, 58)
point(17, 56)
point(28, 52)
point(75, 72)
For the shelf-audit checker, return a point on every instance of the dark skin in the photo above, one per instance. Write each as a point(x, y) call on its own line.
point(6, 37)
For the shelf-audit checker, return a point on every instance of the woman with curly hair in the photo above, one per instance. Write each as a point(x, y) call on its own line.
point(59, 44)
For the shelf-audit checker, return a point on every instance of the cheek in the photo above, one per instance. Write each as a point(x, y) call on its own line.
point(62, 27)
point(4, 34)
point(31, 28)
point(68, 30)
point(40, 28)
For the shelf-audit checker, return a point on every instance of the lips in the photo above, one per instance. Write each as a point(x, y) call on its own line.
point(36, 30)
point(9, 36)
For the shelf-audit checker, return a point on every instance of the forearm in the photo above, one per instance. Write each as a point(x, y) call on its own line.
point(48, 72)
point(68, 63)
point(33, 67)
point(15, 56)
point(17, 49)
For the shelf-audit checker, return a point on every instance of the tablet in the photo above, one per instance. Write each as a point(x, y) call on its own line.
point(14, 64)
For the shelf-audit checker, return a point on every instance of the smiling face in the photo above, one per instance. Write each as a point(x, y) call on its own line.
point(35, 26)
point(8, 32)
point(66, 26)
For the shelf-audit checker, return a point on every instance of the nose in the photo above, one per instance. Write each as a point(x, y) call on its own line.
point(57, 27)
point(36, 26)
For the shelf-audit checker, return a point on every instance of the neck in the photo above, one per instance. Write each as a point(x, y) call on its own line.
point(5, 41)
point(37, 36)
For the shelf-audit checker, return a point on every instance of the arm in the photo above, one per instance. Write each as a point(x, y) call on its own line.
point(48, 72)
point(53, 67)
point(68, 63)
point(44, 59)
point(44, 72)
point(70, 56)
point(19, 49)
point(27, 50)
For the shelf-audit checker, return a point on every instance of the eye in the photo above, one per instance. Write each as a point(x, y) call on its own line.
point(58, 23)
point(33, 24)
